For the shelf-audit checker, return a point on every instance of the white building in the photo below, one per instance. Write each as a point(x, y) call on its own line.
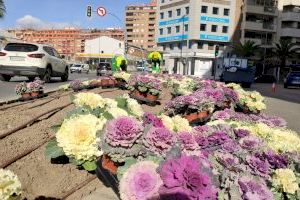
point(188, 32)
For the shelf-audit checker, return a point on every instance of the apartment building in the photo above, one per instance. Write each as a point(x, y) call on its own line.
point(289, 20)
point(68, 41)
point(260, 22)
point(140, 25)
point(188, 32)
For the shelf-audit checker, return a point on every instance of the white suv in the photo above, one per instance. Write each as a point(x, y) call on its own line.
point(80, 68)
point(32, 60)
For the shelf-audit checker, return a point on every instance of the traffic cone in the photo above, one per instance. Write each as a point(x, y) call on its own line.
point(273, 87)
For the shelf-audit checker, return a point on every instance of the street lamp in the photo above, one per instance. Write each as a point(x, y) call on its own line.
point(183, 61)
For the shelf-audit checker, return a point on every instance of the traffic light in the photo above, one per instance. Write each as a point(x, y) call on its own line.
point(217, 50)
point(89, 11)
point(126, 47)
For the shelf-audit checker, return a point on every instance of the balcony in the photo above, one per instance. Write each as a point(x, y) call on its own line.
point(259, 26)
point(291, 16)
point(264, 10)
point(290, 32)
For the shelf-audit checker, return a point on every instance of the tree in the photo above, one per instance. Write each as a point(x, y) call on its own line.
point(284, 49)
point(246, 50)
point(2, 9)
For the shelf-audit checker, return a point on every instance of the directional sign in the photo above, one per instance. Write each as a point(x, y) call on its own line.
point(101, 11)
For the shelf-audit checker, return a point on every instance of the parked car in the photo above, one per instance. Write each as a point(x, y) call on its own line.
point(104, 69)
point(292, 79)
point(32, 60)
point(80, 68)
point(265, 78)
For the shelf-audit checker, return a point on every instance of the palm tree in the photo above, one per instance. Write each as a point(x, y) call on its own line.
point(2, 9)
point(246, 50)
point(283, 50)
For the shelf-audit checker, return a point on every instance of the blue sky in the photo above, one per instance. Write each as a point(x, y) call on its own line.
point(60, 13)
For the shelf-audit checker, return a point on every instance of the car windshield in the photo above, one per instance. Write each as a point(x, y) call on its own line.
point(77, 65)
point(21, 47)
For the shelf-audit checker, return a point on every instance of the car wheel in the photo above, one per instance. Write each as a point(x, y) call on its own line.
point(31, 78)
point(246, 85)
point(47, 76)
point(65, 77)
point(87, 72)
point(5, 77)
point(285, 85)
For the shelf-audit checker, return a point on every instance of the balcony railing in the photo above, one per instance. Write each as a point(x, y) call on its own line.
point(268, 26)
point(269, 9)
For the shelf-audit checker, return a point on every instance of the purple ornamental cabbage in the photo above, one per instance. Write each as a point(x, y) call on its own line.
point(218, 138)
point(253, 189)
point(250, 143)
point(149, 118)
point(240, 133)
point(227, 159)
point(184, 179)
point(159, 140)
point(231, 146)
point(188, 143)
point(123, 132)
point(276, 161)
point(258, 166)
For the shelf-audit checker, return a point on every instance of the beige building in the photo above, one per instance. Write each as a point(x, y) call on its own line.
point(259, 22)
point(68, 41)
point(140, 25)
point(289, 20)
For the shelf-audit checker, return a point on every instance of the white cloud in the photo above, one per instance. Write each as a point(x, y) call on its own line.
point(31, 22)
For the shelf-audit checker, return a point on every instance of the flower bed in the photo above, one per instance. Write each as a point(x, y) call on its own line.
point(145, 88)
point(233, 155)
point(30, 90)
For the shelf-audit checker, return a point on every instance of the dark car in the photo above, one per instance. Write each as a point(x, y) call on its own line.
point(265, 78)
point(292, 79)
point(104, 69)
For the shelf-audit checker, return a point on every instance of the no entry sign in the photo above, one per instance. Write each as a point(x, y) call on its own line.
point(101, 11)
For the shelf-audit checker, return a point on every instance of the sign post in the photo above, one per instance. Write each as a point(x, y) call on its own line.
point(101, 11)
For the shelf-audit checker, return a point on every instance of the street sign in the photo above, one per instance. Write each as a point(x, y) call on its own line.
point(131, 50)
point(101, 11)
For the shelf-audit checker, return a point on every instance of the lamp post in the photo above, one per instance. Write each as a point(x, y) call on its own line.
point(184, 61)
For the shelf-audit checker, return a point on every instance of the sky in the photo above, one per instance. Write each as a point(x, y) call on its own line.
point(43, 14)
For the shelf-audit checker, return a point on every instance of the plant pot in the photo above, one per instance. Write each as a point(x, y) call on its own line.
point(202, 114)
point(104, 82)
point(26, 95)
point(151, 97)
point(108, 164)
point(139, 94)
point(94, 84)
point(34, 94)
point(111, 82)
point(191, 117)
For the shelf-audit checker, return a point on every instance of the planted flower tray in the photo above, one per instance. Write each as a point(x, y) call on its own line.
point(31, 96)
point(197, 117)
point(121, 84)
point(107, 177)
point(144, 98)
point(108, 83)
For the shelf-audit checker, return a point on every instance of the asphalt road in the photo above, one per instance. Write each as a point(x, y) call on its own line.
point(7, 89)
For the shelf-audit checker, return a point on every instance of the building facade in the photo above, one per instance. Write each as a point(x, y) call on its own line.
point(68, 41)
point(188, 32)
point(289, 21)
point(140, 25)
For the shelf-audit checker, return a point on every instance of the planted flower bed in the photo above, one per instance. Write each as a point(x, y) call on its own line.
point(145, 89)
point(30, 90)
point(231, 155)
point(122, 79)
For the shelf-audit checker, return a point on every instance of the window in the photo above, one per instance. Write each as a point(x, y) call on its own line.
point(214, 28)
point(225, 29)
point(211, 46)
point(162, 1)
point(178, 12)
point(164, 47)
point(169, 30)
point(186, 27)
point(202, 27)
point(161, 31)
point(215, 10)
point(204, 9)
point(200, 45)
point(179, 45)
point(170, 13)
point(171, 46)
point(161, 15)
point(226, 12)
point(177, 29)
point(187, 10)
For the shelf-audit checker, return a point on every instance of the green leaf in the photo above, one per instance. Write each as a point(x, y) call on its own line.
point(108, 116)
point(53, 150)
point(72, 97)
point(55, 128)
point(76, 162)
point(121, 102)
point(122, 169)
point(89, 165)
